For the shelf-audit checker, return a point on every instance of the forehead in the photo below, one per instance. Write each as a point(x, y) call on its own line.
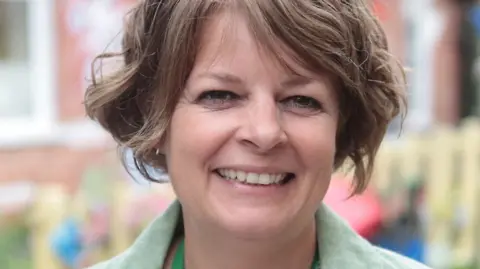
point(228, 39)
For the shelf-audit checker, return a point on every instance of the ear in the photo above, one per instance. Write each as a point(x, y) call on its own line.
point(160, 150)
point(162, 146)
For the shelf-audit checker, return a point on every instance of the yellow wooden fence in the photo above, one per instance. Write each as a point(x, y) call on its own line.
point(445, 160)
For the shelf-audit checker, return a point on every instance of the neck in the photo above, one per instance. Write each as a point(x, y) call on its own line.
point(206, 247)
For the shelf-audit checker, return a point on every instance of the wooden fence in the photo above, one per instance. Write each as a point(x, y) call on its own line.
point(445, 161)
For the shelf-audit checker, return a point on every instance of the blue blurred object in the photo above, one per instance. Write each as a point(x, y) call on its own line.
point(67, 242)
point(475, 18)
point(403, 242)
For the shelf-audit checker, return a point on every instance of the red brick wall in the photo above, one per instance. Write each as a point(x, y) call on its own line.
point(51, 164)
point(446, 86)
point(75, 54)
point(447, 66)
point(394, 26)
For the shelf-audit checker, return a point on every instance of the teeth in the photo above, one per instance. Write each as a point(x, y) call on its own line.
point(240, 176)
point(252, 178)
point(264, 179)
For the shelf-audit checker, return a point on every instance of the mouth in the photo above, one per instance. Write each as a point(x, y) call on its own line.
point(259, 179)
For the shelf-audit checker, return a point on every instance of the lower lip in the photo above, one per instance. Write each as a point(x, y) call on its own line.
point(252, 189)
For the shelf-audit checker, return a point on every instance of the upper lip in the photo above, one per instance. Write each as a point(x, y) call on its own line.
point(255, 169)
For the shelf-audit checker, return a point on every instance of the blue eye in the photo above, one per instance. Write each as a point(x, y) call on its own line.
point(303, 102)
point(217, 98)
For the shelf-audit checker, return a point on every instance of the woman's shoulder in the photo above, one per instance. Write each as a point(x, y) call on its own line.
point(109, 264)
point(341, 247)
point(390, 259)
point(397, 261)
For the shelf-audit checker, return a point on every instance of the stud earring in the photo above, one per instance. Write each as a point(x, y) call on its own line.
point(157, 152)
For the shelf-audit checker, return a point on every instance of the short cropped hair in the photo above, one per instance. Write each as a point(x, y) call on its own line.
point(161, 39)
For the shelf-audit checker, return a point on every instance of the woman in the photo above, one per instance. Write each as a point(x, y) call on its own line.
point(250, 106)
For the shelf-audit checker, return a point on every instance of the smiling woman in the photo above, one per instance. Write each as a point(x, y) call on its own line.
point(251, 106)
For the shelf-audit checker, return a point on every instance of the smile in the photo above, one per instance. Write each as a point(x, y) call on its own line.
point(255, 178)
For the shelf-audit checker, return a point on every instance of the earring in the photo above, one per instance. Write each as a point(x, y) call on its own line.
point(157, 152)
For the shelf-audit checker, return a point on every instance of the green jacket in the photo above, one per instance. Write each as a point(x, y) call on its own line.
point(340, 247)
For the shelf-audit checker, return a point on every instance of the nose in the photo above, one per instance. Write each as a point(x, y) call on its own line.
point(262, 126)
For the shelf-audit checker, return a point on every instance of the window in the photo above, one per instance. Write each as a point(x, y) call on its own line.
point(26, 71)
point(424, 27)
point(14, 60)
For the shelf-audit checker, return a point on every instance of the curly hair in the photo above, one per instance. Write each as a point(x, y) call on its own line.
point(161, 40)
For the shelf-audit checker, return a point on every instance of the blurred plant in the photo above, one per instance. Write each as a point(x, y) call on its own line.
point(14, 243)
point(466, 267)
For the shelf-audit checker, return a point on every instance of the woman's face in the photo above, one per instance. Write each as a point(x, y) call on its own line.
point(251, 146)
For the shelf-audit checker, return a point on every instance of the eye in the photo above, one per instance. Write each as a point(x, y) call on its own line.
point(305, 102)
point(302, 103)
point(217, 98)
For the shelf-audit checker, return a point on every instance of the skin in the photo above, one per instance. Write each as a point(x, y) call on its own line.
point(242, 110)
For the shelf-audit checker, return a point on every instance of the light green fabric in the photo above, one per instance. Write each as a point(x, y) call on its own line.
point(340, 247)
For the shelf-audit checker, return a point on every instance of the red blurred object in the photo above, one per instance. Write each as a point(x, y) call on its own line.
point(380, 10)
point(363, 212)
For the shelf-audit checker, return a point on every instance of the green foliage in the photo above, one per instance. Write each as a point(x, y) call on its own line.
point(14, 244)
point(465, 267)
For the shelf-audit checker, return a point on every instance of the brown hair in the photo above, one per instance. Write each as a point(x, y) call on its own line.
point(160, 43)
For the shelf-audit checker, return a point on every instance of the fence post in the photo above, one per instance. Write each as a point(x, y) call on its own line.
point(439, 192)
point(382, 175)
point(411, 159)
point(466, 245)
point(120, 237)
point(48, 212)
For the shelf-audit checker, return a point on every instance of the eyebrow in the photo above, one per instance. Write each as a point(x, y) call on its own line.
point(296, 81)
point(223, 77)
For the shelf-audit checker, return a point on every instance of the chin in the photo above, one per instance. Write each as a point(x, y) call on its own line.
point(254, 223)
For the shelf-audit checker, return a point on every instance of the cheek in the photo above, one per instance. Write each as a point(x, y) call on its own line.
point(194, 136)
point(315, 142)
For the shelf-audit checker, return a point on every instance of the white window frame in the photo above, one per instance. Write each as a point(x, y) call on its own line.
point(429, 25)
point(39, 126)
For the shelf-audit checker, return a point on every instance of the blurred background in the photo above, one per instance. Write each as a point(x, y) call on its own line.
point(66, 201)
